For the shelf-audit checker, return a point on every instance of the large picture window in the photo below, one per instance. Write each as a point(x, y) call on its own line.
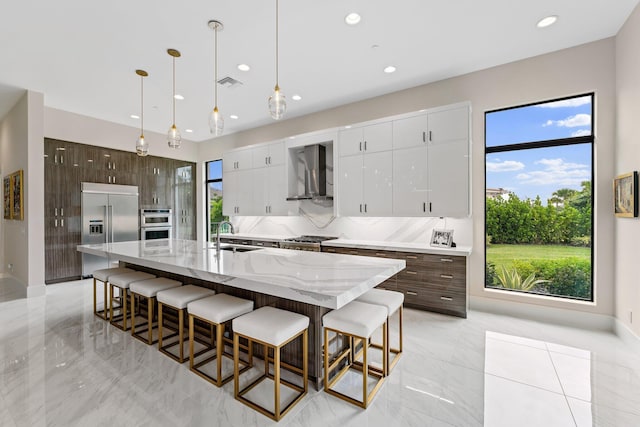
point(539, 198)
point(214, 197)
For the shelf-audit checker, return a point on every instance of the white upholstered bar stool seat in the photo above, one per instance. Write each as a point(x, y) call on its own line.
point(147, 290)
point(393, 302)
point(356, 321)
point(122, 282)
point(103, 275)
point(215, 311)
point(177, 299)
point(273, 328)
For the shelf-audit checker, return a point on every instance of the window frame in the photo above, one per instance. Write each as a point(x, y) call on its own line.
point(576, 140)
point(209, 181)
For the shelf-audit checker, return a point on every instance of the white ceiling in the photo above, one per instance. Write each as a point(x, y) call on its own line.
point(82, 54)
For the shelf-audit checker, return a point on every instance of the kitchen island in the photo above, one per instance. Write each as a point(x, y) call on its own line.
point(310, 283)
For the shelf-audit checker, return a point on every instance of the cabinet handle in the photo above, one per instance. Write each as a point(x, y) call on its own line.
point(430, 207)
point(61, 159)
point(266, 209)
point(269, 159)
point(55, 212)
point(365, 208)
point(413, 273)
point(446, 276)
point(380, 254)
point(424, 137)
point(61, 211)
point(330, 250)
point(446, 260)
point(411, 257)
point(424, 206)
point(353, 252)
point(114, 179)
point(114, 166)
point(430, 139)
point(446, 298)
point(109, 179)
point(360, 207)
point(415, 294)
point(55, 222)
point(365, 146)
point(266, 160)
point(55, 159)
point(62, 222)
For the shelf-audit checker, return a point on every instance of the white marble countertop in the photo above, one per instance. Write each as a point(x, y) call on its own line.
point(398, 246)
point(323, 279)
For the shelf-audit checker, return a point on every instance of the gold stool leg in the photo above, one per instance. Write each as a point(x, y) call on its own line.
point(160, 327)
point(191, 339)
point(150, 305)
point(276, 380)
point(180, 333)
point(219, 351)
point(236, 363)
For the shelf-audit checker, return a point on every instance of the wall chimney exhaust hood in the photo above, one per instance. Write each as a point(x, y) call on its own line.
point(315, 174)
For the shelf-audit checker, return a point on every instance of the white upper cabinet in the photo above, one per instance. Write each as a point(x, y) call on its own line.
point(268, 154)
point(237, 160)
point(366, 185)
point(270, 191)
point(431, 164)
point(366, 139)
point(238, 192)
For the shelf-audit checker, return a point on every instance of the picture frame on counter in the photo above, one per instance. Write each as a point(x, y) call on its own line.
point(625, 195)
point(17, 197)
point(441, 238)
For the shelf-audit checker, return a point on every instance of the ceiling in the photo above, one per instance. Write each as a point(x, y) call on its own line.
point(83, 55)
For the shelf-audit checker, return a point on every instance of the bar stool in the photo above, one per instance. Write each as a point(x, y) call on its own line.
point(393, 302)
point(273, 328)
point(177, 299)
point(356, 321)
point(102, 275)
point(122, 282)
point(147, 289)
point(216, 311)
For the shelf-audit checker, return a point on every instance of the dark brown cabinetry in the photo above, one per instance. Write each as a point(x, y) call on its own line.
point(68, 164)
point(429, 282)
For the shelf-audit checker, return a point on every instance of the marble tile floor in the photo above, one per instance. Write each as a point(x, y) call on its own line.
point(62, 366)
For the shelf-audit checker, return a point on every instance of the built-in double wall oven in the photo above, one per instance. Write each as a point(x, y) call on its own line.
point(156, 224)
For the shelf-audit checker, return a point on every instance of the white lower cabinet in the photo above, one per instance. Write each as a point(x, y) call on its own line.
point(366, 185)
point(270, 191)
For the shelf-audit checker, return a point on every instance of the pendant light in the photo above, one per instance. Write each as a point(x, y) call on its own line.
point(174, 138)
point(142, 147)
point(216, 121)
point(277, 101)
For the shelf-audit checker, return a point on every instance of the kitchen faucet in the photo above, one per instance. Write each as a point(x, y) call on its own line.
point(218, 233)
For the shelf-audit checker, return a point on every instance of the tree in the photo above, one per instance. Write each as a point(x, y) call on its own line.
point(561, 196)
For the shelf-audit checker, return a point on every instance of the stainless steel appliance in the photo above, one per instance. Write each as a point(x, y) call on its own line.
point(305, 243)
point(156, 224)
point(313, 165)
point(109, 214)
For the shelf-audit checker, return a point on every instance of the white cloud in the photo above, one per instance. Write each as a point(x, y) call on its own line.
point(571, 122)
point(582, 132)
point(506, 166)
point(573, 102)
point(556, 172)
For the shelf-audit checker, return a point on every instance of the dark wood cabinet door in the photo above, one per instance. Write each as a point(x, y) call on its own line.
point(184, 196)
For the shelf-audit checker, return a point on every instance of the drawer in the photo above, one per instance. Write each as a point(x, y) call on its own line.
point(412, 275)
point(434, 300)
point(344, 251)
point(245, 242)
point(266, 244)
point(389, 284)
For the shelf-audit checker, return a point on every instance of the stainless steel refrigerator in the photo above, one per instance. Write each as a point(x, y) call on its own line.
point(109, 214)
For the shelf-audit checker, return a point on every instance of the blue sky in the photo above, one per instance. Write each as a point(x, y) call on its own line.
point(542, 171)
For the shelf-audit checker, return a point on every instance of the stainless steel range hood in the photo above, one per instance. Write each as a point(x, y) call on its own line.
point(315, 174)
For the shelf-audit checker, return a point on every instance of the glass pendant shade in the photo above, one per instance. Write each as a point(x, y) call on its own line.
point(142, 147)
point(216, 122)
point(277, 104)
point(173, 137)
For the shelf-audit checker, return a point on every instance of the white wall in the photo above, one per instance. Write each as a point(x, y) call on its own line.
point(577, 70)
point(627, 230)
point(21, 147)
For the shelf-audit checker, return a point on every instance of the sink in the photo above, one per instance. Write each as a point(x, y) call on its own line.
point(237, 249)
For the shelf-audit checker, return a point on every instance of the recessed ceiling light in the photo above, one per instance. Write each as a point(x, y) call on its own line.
point(545, 22)
point(134, 116)
point(390, 69)
point(352, 18)
point(243, 67)
point(189, 130)
point(178, 97)
point(233, 117)
point(296, 97)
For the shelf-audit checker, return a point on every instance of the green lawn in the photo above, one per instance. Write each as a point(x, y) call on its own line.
point(505, 254)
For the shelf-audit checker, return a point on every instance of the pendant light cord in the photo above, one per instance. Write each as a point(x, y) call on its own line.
point(215, 81)
point(141, 105)
point(277, 14)
point(174, 90)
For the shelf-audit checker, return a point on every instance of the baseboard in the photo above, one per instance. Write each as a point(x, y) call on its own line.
point(558, 316)
point(627, 335)
point(34, 291)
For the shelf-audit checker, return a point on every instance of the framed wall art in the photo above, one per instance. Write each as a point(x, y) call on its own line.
point(17, 205)
point(6, 193)
point(625, 194)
